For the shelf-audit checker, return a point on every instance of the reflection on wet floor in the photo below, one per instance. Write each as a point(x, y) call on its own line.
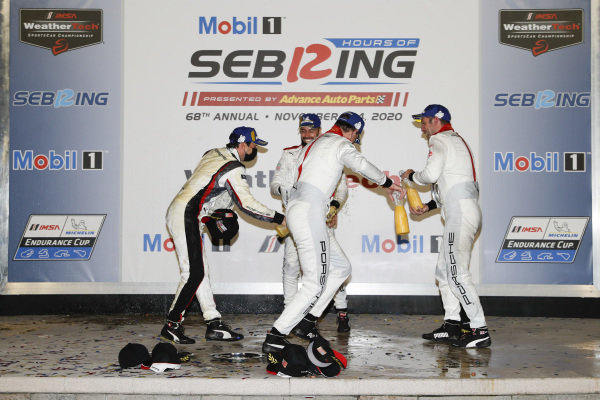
point(378, 346)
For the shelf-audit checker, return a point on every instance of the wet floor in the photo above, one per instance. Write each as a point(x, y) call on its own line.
point(378, 346)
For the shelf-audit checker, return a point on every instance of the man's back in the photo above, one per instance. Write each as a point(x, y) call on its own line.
point(210, 164)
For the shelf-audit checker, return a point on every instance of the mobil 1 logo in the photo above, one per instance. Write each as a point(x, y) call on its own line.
point(271, 25)
point(92, 160)
point(574, 162)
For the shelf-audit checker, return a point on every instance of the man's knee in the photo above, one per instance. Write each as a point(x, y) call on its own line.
point(312, 289)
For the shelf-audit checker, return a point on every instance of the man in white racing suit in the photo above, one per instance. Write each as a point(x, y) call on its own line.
point(450, 170)
point(216, 184)
point(281, 184)
point(324, 265)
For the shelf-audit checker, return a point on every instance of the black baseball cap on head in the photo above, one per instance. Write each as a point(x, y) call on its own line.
point(327, 361)
point(134, 355)
point(222, 224)
point(292, 361)
point(164, 357)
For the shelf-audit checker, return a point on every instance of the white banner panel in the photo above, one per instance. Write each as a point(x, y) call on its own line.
point(211, 67)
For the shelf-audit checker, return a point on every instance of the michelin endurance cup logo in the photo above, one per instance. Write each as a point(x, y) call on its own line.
point(541, 31)
point(542, 239)
point(59, 237)
point(60, 30)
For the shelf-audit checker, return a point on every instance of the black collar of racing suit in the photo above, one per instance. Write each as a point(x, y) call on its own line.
point(234, 152)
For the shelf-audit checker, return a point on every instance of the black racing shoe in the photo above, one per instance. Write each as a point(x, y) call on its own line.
point(174, 332)
point(274, 342)
point(343, 321)
point(475, 337)
point(216, 329)
point(307, 328)
point(449, 332)
point(465, 326)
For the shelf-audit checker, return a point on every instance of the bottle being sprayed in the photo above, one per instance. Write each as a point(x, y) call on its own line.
point(414, 200)
point(400, 217)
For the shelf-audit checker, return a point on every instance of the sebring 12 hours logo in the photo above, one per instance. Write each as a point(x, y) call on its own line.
point(330, 61)
point(59, 98)
point(350, 60)
point(543, 99)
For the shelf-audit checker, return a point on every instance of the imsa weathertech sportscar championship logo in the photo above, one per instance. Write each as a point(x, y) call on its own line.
point(542, 239)
point(59, 237)
point(60, 30)
point(541, 30)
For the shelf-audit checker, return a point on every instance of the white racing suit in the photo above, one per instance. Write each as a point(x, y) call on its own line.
point(281, 184)
point(217, 182)
point(451, 171)
point(325, 267)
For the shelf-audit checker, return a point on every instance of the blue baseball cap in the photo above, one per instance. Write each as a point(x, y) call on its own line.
point(434, 110)
point(245, 134)
point(312, 120)
point(355, 120)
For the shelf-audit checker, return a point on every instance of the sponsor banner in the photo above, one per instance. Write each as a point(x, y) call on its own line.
point(236, 66)
point(77, 149)
point(312, 99)
point(59, 237)
point(542, 239)
point(536, 150)
point(65, 141)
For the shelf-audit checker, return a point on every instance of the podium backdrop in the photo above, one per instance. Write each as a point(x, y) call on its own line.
point(112, 104)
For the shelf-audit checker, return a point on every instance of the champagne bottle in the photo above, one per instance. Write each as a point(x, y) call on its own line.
point(414, 200)
point(400, 217)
